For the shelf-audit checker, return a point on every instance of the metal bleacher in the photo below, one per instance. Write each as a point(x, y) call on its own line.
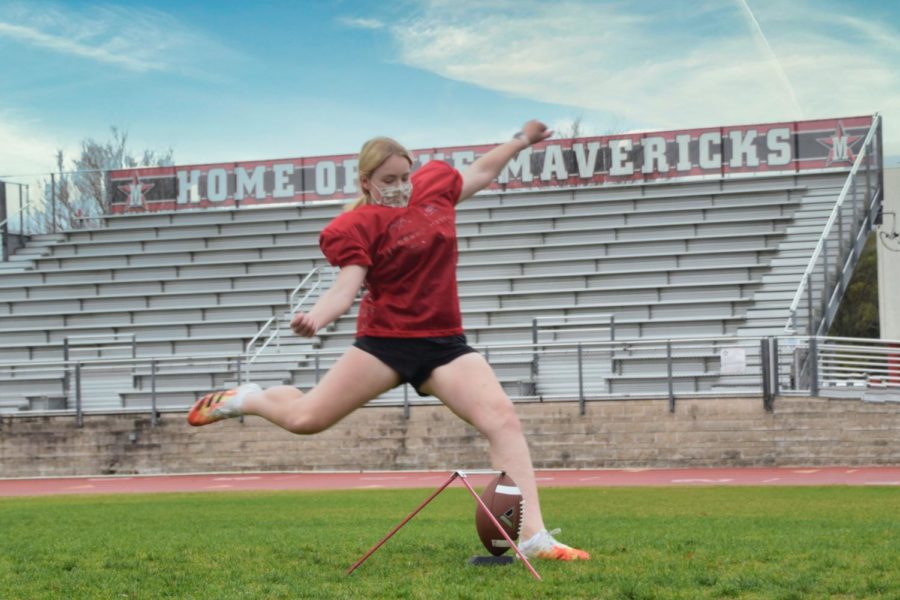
point(674, 260)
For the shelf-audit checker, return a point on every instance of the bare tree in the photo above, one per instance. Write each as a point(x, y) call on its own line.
point(98, 157)
point(573, 130)
point(80, 192)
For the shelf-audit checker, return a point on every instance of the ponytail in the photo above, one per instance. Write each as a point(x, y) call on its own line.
point(356, 203)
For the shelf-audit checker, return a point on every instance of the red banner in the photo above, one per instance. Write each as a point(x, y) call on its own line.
point(715, 152)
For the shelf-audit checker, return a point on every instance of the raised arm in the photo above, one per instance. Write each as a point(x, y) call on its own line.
point(333, 303)
point(483, 171)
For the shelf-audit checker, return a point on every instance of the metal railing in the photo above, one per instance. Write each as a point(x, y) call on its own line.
point(93, 343)
point(39, 213)
point(99, 342)
point(852, 366)
point(830, 267)
point(671, 369)
point(25, 206)
point(271, 330)
point(556, 324)
point(62, 200)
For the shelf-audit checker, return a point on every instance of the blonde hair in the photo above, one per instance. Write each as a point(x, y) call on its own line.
point(373, 154)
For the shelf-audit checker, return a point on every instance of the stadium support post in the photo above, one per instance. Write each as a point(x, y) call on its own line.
point(66, 377)
point(765, 374)
point(21, 215)
point(79, 415)
point(813, 366)
point(154, 419)
point(669, 376)
point(406, 401)
point(773, 353)
point(4, 230)
point(879, 145)
point(809, 305)
point(580, 383)
point(53, 202)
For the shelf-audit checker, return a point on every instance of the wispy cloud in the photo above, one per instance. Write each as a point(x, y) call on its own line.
point(135, 39)
point(360, 23)
point(66, 46)
point(654, 65)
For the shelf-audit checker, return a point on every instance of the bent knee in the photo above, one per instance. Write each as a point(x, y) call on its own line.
point(307, 425)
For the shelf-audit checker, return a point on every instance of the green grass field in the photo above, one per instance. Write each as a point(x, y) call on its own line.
point(780, 542)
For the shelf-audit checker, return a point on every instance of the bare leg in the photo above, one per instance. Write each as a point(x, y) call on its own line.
point(355, 378)
point(470, 389)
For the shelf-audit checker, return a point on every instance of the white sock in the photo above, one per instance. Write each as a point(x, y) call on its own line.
point(533, 538)
point(237, 401)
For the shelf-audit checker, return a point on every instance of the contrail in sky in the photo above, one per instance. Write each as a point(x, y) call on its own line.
point(779, 70)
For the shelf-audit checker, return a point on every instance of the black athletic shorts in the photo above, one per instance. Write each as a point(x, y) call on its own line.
point(415, 358)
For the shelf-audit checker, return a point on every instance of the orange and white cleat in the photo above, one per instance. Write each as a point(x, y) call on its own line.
point(216, 406)
point(543, 545)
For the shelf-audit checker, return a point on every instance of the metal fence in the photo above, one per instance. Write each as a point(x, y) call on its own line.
point(671, 369)
point(49, 203)
point(852, 367)
point(18, 208)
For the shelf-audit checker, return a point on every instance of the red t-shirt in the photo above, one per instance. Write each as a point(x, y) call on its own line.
point(411, 255)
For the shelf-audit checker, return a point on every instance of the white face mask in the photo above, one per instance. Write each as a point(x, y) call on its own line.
point(395, 196)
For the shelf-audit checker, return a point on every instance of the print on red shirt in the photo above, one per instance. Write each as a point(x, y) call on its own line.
point(411, 254)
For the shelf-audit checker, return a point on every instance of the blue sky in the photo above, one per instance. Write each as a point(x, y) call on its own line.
point(223, 81)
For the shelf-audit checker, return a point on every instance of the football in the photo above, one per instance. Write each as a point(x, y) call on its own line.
point(504, 500)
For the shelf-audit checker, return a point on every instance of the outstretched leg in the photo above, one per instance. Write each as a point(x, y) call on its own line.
point(355, 378)
point(468, 386)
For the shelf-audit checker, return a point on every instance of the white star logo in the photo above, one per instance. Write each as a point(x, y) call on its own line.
point(840, 146)
point(135, 191)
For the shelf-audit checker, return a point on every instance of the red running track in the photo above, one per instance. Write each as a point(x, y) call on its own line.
point(231, 482)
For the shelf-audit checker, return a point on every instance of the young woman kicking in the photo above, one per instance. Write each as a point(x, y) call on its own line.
point(399, 239)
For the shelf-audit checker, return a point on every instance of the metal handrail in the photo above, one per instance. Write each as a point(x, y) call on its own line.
point(565, 319)
point(273, 325)
point(295, 307)
point(101, 338)
point(275, 318)
point(259, 334)
point(495, 349)
point(874, 370)
point(111, 361)
point(535, 330)
point(498, 345)
point(811, 265)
